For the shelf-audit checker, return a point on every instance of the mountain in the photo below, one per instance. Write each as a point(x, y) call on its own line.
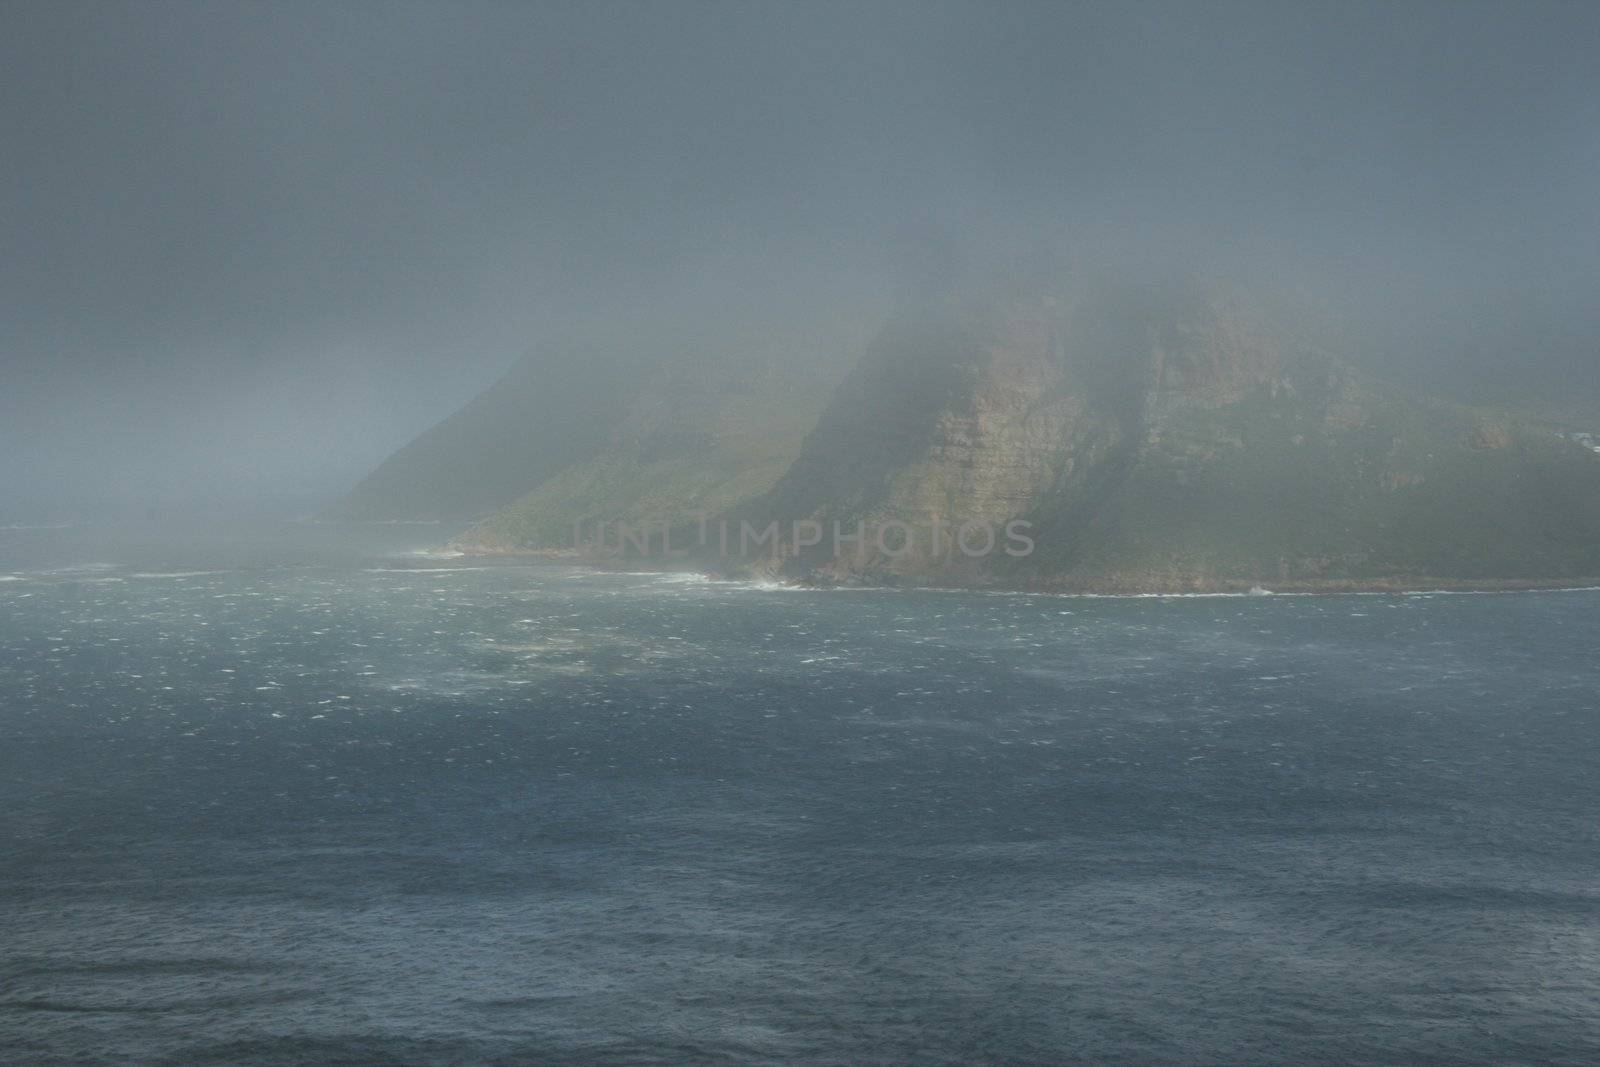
point(552, 409)
point(1164, 439)
point(1074, 437)
point(701, 436)
point(648, 420)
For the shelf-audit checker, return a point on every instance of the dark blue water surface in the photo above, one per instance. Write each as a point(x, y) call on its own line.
point(302, 807)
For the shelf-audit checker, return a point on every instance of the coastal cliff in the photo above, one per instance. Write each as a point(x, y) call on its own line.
point(1129, 438)
point(1172, 439)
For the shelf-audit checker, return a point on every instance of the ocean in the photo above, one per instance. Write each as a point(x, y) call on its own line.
point(311, 795)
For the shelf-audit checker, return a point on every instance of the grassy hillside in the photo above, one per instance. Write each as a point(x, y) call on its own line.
point(1355, 483)
point(554, 408)
point(1154, 439)
point(698, 440)
point(1175, 440)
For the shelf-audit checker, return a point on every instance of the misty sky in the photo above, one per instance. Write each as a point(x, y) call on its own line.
point(254, 247)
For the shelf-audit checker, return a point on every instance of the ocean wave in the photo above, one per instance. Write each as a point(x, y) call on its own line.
point(72, 569)
point(690, 578)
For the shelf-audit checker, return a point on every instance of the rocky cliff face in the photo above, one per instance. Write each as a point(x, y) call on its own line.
point(1161, 439)
point(984, 410)
point(1088, 438)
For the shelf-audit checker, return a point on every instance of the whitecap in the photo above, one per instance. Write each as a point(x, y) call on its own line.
point(73, 569)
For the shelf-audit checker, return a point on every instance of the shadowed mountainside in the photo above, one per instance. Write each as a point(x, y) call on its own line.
point(552, 409)
point(704, 435)
point(1150, 438)
point(1170, 439)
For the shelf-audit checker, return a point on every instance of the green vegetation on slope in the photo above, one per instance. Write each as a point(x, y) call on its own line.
point(1366, 484)
point(1159, 439)
point(1176, 440)
point(554, 408)
point(698, 441)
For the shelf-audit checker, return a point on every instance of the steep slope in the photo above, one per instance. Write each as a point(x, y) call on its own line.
point(1165, 440)
point(705, 433)
point(1319, 478)
point(554, 408)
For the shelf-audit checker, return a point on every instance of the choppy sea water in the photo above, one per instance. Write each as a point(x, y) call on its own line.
point(309, 807)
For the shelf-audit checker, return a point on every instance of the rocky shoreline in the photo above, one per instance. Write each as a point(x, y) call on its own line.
point(1122, 586)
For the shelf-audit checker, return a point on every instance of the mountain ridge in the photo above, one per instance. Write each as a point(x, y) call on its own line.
point(1148, 438)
